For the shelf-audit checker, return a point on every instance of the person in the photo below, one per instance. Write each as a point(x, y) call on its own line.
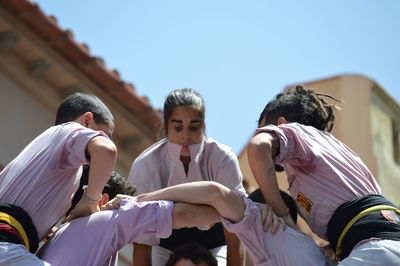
point(240, 215)
point(191, 255)
point(187, 155)
point(96, 239)
point(37, 186)
point(333, 188)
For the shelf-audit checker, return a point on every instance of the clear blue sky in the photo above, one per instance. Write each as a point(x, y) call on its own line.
point(237, 54)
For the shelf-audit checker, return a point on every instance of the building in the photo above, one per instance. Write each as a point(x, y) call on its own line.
point(40, 64)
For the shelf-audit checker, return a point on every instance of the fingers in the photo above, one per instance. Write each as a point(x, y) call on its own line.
point(282, 223)
point(275, 223)
point(268, 219)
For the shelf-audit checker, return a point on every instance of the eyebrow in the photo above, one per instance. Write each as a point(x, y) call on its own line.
point(193, 121)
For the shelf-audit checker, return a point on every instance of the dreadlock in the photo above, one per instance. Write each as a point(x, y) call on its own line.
point(303, 106)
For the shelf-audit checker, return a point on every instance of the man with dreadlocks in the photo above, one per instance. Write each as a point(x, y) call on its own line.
point(335, 192)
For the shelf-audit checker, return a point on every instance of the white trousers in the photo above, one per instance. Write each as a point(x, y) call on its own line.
point(374, 252)
point(160, 255)
point(16, 255)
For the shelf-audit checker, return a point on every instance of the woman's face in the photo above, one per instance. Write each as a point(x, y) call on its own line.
point(185, 127)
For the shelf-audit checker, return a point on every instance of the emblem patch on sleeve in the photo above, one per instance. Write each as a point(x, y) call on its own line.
point(391, 216)
point(305, 203)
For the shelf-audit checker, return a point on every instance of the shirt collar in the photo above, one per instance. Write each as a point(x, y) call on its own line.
point(196, 150)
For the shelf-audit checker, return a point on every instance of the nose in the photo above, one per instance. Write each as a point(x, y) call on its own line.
point(186, 135)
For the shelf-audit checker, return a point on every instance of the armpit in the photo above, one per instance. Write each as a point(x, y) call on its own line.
point(275, 145)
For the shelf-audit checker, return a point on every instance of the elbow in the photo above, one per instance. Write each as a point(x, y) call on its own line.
point(216, 192)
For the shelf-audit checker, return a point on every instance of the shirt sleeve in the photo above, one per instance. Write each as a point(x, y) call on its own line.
point(295, 143)
point(76, 143)
point(145, 222)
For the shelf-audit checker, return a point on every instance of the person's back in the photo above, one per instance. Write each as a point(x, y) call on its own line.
point(285, 247)
point(94, 240)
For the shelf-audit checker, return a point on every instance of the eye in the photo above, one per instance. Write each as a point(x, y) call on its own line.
point(194, 129)
point(178, 129)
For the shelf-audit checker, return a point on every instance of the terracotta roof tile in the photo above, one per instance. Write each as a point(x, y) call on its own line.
point(79, 55)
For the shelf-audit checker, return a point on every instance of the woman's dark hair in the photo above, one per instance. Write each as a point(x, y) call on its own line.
point(257, 196)
point(303, 106)
point(77, 104)
point(194, 252)
point(116, 184)
point(183, 97)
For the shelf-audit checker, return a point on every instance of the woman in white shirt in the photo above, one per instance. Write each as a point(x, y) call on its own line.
point(187, 155)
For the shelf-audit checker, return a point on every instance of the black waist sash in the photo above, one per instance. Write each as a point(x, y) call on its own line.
point(373, 224)
point(212, 238)
point(17, 218)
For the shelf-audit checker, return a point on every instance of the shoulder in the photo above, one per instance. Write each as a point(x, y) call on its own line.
point(153, 153)
point(290, 129)
point(213, 147)
point(74, 129)
point(217, 152)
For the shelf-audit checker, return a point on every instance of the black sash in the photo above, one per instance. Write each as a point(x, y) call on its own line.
point(28, 228)
point(373, 224)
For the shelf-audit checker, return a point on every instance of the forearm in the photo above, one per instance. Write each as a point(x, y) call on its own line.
point(228, 204)
point(103, 154)
point(235, 251)
point(195, 192)
point(259, 154)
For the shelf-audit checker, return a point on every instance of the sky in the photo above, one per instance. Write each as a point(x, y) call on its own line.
point(237, 54)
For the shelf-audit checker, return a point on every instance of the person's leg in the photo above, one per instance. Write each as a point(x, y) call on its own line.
point(159, 255)
point(17, 255)
point(375, 252)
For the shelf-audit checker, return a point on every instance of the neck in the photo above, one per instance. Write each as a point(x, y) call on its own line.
point(185, 161)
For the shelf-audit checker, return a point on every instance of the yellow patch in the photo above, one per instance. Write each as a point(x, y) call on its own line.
point(305, 203)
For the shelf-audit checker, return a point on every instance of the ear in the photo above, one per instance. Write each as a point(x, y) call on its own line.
point(85, 119)
point(104, 199)
point(282, 120)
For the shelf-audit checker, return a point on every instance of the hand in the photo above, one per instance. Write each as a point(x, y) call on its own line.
point(269, 219)
point(289, 221)
point(114, 203)
point(82, 209)
point(328, 252)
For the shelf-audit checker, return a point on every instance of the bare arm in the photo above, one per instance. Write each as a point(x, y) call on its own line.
point(227, 203)
point(141, 255)
point(260, 152)
point(235, 250)
point(191, 215)
point(103, 153)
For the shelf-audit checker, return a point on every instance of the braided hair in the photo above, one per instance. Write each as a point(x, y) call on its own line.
point(303, 106)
